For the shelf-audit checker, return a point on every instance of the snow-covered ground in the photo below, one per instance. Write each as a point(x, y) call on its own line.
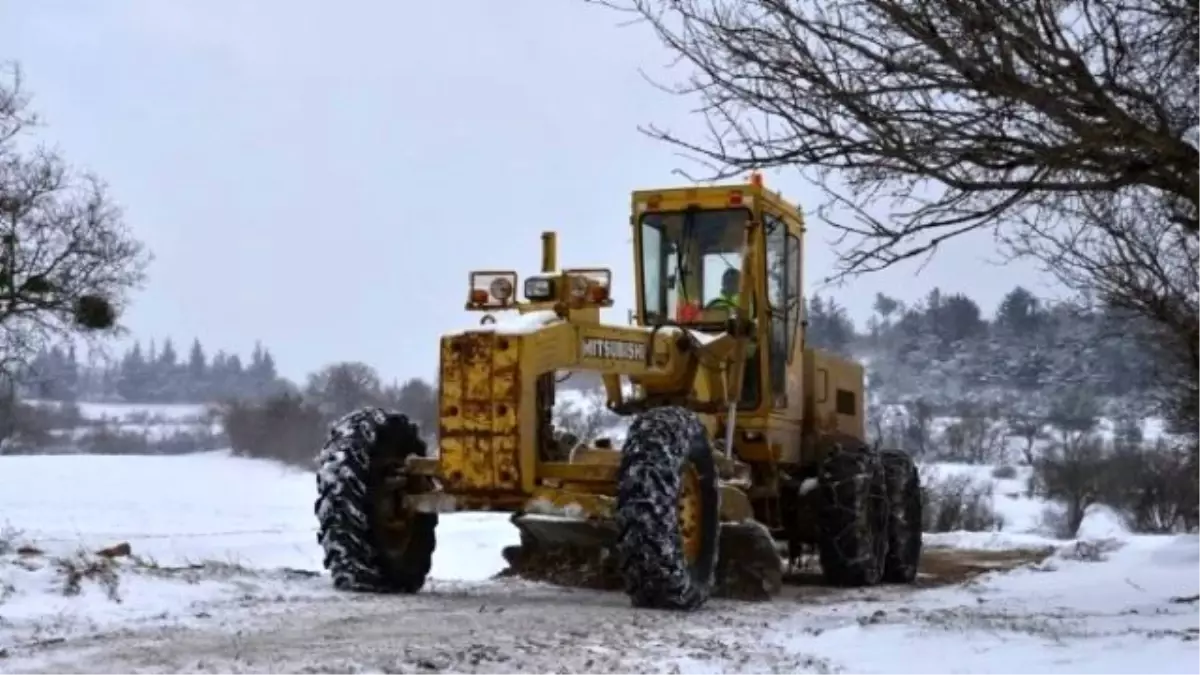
point(134, 427)
point(226, 578)
point(132, 412)
point(126, 411)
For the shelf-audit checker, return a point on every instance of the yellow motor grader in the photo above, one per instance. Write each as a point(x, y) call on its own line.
point(743, 444)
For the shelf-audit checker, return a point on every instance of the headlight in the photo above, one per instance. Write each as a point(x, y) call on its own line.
point(501, 289)
point(579, 287)
point(539, 288)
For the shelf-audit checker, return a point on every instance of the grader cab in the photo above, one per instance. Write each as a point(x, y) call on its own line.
point(743, 443)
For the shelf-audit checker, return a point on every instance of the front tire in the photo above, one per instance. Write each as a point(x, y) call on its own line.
point(667, 511)
point(371, 543)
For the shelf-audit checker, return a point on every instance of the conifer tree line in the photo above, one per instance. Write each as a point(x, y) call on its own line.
point(944, 349)
point(154, 372)
point(1023, 356)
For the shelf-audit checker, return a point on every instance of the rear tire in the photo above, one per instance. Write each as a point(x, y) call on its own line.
point(904, 517)
point(664, 446)
point(852, 515)
point(371, 544)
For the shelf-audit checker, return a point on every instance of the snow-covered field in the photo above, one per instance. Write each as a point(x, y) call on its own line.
point(228, 580)
point(111, 427)
point(135, 413)
point(124, 411)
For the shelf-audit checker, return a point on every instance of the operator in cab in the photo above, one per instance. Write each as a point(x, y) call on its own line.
point(731, 281)
point(727, 301)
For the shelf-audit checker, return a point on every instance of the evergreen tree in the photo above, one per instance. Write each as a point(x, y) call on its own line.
point(71, 374)
point(829, 326)
point(132, 378)
point(168, 358)
point(197, 372)
point(260, 374)
point(1019, 313)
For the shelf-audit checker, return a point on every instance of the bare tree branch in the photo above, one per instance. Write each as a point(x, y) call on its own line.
point(951, 114)
point(67, 260)
point(1125, 250)
point(1068, 127)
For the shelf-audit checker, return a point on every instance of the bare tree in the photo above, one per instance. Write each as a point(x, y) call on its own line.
point(976, 436)
point(1154, 486)
point(918, 427)
point(67, 260)
point(1028, 428)
point(417, 399)
point(9, 409)
point(341, 387)
point(1127, 251)
point(1069, 128)
point(965, 111)
point(1075, 471)
point(957, 502)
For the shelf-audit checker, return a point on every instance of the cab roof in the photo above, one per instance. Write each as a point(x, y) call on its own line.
point(730, 195)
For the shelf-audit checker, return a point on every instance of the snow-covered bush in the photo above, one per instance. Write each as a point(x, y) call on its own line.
point(976, 436)
point(8, 539)
point(1153, 487)
point(284, 427)
point(1072, 472)
point(957, 502)
point(1004, 472)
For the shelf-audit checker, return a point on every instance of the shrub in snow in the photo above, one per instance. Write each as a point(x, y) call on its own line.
point(1028, 428)
point(1004, 472)
point(1054, 522)
point(1093, 550)
point(918, 428)
point(8, 539)
point(284, 427)
point(1074, 410)
point(1072, 472)
point(1127, 430)
point(84, 566)
point(957, 503)
point(975, 436)
point(1153, 487)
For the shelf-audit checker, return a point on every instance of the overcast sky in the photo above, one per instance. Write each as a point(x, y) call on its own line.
point(321, 176)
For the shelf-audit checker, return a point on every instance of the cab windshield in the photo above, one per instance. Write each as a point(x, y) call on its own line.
point(691, 264)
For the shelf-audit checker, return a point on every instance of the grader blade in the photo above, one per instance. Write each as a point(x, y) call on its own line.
point(575, 552)
point(549, 530)
point(564, 551)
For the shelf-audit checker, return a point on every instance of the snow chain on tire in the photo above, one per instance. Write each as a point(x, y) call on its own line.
point(363, 552)
point(904, 517)
point(852, 516)
point(664, 444)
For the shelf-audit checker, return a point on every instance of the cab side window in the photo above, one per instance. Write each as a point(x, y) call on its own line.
point(794, 285)
point(779, 307)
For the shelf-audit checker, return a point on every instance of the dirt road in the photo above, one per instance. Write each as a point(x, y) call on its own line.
point(500, 626)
